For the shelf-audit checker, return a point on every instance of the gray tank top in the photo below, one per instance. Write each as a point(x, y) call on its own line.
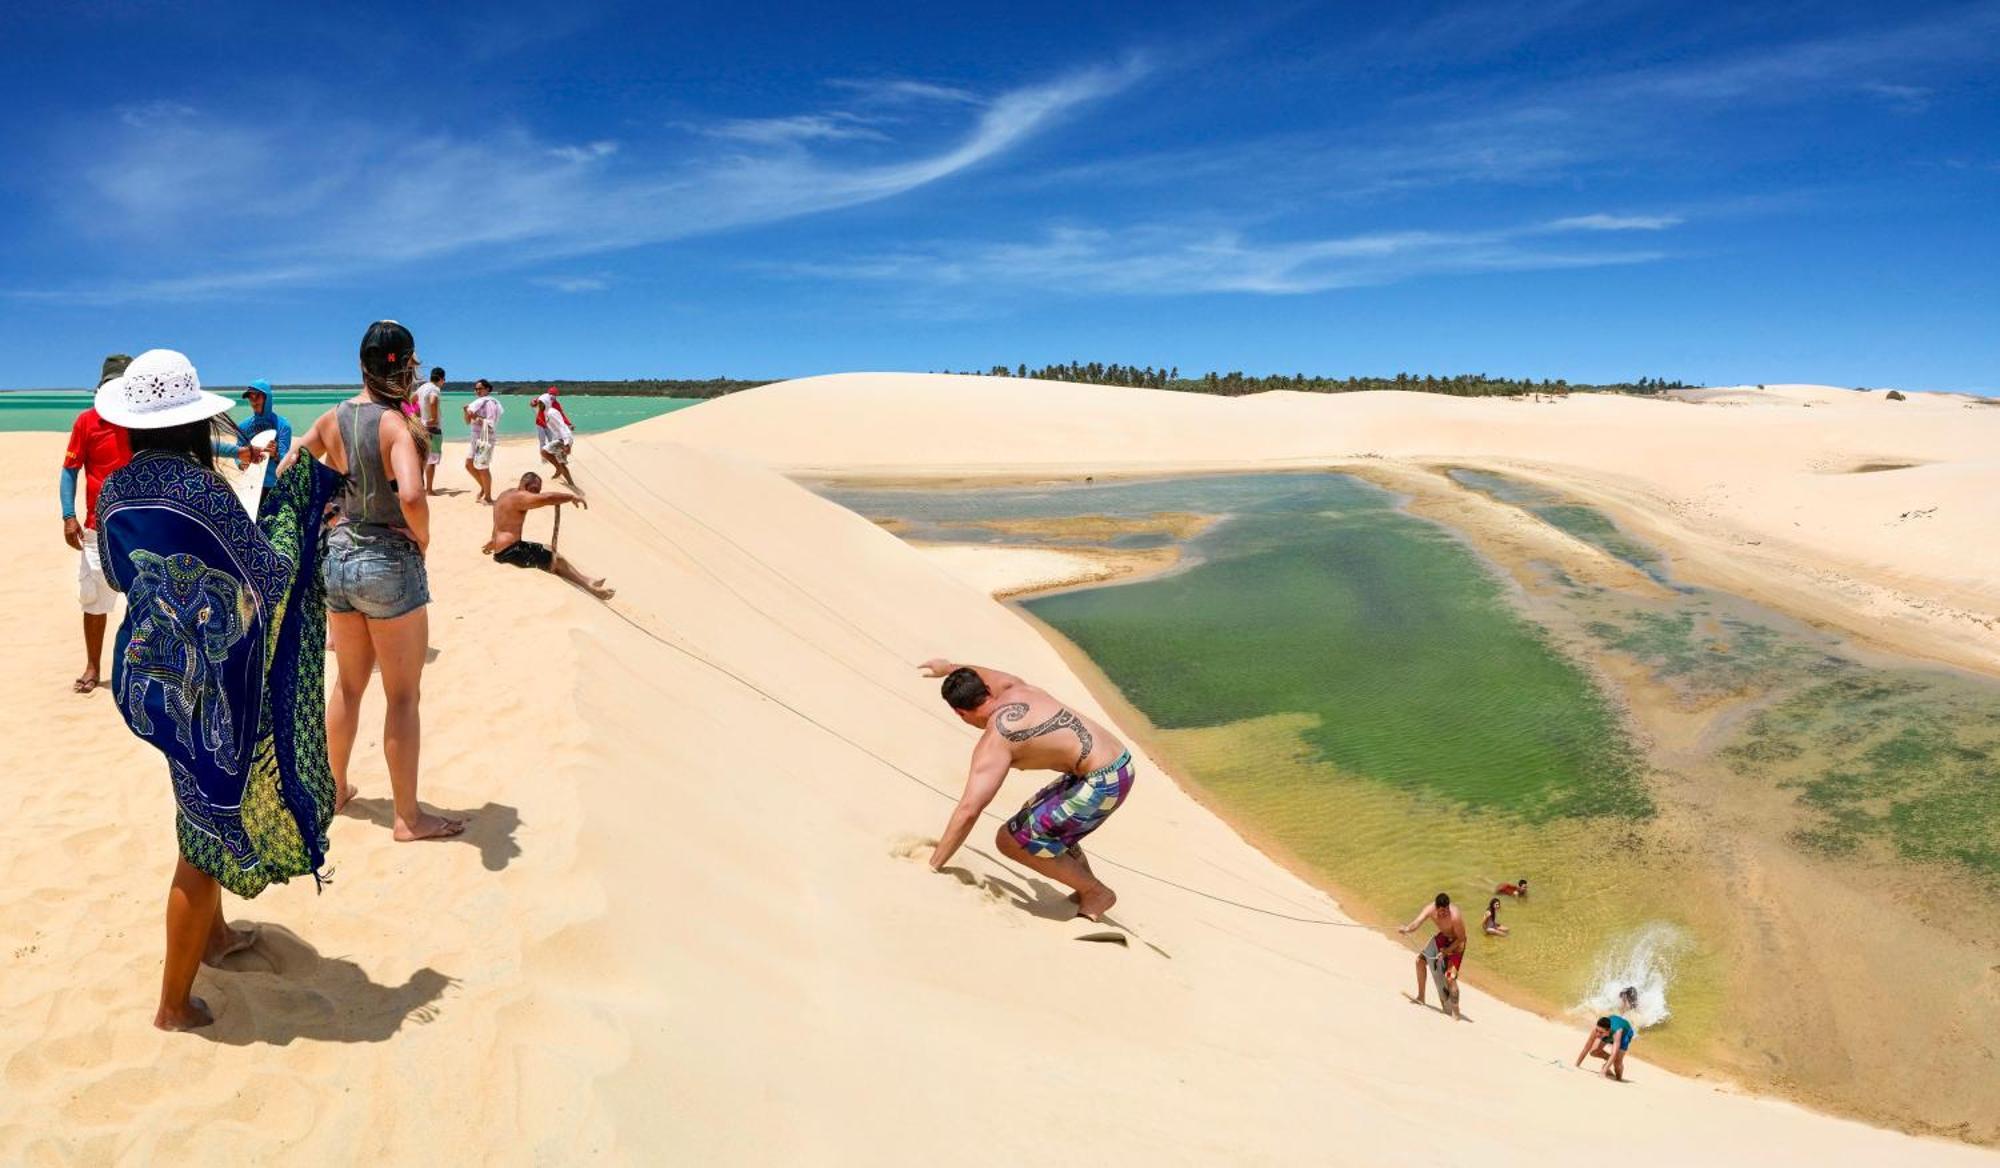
point(368, 499)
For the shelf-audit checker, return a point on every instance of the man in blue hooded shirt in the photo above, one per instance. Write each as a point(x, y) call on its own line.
point(262, 419)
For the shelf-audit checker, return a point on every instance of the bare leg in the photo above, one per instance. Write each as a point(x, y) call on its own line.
point(1423, 969)
point(571, 573)
point(1094, 898)
point(93, 652)
point(191, 908)
point(400, 645)
point(430, 478)
point(354, 661)
point(223, 940)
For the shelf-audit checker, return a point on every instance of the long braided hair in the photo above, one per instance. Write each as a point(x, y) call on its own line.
point(389, 374)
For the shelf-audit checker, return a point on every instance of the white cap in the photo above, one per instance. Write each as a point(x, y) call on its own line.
point(159, 389)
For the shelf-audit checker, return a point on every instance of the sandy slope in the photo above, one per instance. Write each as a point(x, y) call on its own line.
point(687, 925)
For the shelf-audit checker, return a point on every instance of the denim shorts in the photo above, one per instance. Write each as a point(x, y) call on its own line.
point(379, 574)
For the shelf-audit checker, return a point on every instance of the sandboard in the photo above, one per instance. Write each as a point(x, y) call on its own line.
point(250, 480)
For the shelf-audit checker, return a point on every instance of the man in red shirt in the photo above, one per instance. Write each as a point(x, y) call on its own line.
point(96, 448)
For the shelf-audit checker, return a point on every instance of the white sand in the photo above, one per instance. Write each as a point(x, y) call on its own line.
point(689, 925)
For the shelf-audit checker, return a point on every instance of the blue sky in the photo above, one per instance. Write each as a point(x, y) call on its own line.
point(1727, 193)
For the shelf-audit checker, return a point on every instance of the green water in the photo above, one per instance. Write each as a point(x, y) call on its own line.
point(1321, 598)
point(1586, 523)
point(55, 409)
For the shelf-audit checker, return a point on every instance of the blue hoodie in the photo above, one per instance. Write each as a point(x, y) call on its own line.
point(267, 420)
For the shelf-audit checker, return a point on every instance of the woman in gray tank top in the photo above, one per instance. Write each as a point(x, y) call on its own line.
point(377, 589)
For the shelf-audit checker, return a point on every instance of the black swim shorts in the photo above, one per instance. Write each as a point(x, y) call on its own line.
point(526, 554)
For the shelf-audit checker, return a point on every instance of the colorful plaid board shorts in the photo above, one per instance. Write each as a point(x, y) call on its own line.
point(1072, 807)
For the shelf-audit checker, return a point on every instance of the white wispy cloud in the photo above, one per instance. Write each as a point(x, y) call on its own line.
point(897, 90)
point(1165, 260)
point(240, 206)
point(146, 115)
point(1602, 222)
point(837, 126)
point(574, 284)
point(588, 152)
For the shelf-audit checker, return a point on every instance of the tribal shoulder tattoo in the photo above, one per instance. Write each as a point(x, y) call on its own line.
point(1007, 718)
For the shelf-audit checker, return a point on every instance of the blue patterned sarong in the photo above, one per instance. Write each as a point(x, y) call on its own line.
point(220, 663)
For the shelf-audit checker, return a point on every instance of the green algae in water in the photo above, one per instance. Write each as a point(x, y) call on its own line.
point(1585, 523)
point(1886, 760)
point(1328, 601)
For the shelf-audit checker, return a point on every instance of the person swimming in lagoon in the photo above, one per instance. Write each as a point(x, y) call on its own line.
point(1026, 728)
point(1491, 926)
point(1518, 888)
point(1612, 1028)
point(1445, 952)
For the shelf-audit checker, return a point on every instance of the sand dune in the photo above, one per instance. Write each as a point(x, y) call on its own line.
point(689, 923)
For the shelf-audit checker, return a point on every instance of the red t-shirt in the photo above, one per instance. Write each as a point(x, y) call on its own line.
point(97, 448)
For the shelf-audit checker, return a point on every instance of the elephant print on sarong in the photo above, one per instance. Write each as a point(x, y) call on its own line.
point(186, 616)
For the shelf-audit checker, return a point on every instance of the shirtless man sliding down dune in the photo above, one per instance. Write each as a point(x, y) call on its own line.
point(1027, 729)
point(510, 511)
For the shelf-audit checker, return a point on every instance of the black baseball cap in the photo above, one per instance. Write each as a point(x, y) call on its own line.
point(388, 349)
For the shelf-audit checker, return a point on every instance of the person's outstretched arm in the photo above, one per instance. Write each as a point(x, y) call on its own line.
point(995, 679)
point(1587, 1044)
point(557, 499)
point(990, 763)
point(1421, 917)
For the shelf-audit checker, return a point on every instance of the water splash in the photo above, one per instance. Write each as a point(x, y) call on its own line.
point(1642, 960)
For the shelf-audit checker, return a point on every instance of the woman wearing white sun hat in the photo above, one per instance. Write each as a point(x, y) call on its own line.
point(218, 663)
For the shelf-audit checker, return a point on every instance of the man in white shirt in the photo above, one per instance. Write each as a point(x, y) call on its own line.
point(428, 407)
point(553, 427)
point(482, 416)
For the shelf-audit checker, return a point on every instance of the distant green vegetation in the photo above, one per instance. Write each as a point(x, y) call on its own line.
point(699, 387)
point(1238, 383)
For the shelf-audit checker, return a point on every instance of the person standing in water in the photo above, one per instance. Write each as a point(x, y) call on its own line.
point(430, 412)
point(1026, 728)
point(482, 418)
point(218, 662)
point(1609, 1030)
point(96, 448)
point(377, 587)
point(1445, 952)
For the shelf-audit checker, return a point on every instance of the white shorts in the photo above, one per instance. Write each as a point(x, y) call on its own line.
point(552, 441)
point(93, 591)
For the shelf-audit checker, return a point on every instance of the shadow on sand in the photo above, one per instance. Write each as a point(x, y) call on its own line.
point(491, 828)
point(282, 989)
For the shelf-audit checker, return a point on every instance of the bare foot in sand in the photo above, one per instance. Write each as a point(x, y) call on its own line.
point(85, 681)
point(428, 827)
point(228, 941)
point(1096, 904)
point(193, 1016)
point(342, 797)
point(598, 589)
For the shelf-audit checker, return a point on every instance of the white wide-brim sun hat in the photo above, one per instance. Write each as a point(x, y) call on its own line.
point(159, 389)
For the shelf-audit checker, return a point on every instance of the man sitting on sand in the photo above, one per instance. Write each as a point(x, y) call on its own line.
point(1446, 951)
point(510, 510)
point(1609, 1029)
point(1028, 729)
